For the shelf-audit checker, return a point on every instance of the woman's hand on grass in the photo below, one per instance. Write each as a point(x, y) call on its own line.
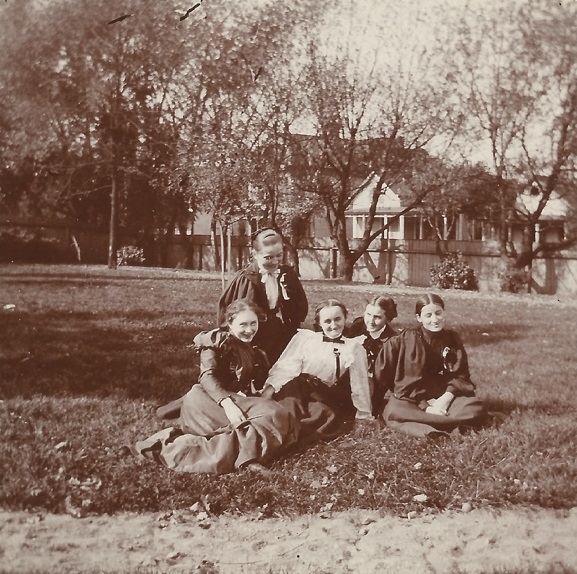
point(233, 413)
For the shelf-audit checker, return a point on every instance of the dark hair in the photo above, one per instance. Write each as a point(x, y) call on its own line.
point(264, 237)
point(324, 304)
point(427, 299)
point(242, 305)
point(386, 304)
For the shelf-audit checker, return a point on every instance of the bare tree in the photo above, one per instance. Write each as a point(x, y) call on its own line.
point(518, 68)
point(374, 112)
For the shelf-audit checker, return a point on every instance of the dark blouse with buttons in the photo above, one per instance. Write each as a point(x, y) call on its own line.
point(229, 365)
point(419, 365)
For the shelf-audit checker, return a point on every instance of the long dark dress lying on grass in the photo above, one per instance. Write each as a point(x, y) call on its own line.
point(206, 441)
point(323, 382)
point(413, 366)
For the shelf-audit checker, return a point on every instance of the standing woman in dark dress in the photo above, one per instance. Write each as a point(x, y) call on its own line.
point(224, 422)
point(428, 372)
point(272, 286)
point(371, 331)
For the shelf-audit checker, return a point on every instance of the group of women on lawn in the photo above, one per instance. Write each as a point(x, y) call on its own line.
point(265, 384)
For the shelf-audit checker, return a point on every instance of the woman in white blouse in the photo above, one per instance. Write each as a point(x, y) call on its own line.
point(322, 375)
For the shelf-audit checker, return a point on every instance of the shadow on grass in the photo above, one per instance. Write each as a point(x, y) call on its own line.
point(135, 355)
point(551, 407)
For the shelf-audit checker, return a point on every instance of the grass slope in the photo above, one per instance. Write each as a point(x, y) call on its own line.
point(87, 354)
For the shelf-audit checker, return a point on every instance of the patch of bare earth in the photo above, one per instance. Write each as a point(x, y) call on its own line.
point(355, 541)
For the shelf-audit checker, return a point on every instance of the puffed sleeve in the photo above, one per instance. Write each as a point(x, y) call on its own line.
point(386, 364)
point(290, 364)
point(301, 298)
point(360, 387)
point(211, 346)
point(239, 287)
point(356, 328)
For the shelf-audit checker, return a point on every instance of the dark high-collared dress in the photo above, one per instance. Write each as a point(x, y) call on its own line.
point(281, 322)
point(358, 331)
point(419, 365)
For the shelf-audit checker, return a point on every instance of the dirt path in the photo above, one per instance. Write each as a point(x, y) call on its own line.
point(363, 542)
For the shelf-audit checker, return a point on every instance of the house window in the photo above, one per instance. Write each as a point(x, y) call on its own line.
point(359, 226)
point(551, 231)
point(356, 226)
point(475, 229)
point(412, 227)
point(378, 223)
point(394, 229)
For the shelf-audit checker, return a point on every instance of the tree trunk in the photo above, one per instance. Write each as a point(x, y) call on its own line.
point(525, 257)
point(214, 244)
point(346, 261)
point(112, 247)
point(229, 250)
point(222, 257)
point(293, 256)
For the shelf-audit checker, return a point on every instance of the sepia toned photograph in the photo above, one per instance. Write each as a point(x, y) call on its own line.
point(288, 287)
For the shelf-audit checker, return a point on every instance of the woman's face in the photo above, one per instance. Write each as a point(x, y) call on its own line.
point(432, 317)
point(332, 321)
point(375, 318)
point(244, 325)
point(269, 257)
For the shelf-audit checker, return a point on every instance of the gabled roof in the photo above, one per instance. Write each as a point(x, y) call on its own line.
point(556, 208)
point(390, 201)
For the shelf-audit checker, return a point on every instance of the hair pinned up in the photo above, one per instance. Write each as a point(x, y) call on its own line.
point(427, 299)
point(243, 305)
point(263, 237)
point(387, 304)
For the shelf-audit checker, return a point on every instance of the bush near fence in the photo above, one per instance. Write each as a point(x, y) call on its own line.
point(394, 262)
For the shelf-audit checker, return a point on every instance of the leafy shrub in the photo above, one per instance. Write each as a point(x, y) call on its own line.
point(514, 280)
point(130, 255)
point(454, 273)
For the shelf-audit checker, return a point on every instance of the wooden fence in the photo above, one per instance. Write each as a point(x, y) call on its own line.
point(396, 262)
point(399, 263)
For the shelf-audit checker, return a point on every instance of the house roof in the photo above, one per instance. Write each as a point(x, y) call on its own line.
point(556, 207)
point(390, 201)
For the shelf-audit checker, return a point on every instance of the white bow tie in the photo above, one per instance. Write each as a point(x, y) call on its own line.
point(267, 274)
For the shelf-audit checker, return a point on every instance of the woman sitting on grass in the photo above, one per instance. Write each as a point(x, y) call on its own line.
point(428, 372)
point(371, 331)
point(224, 423)
point(321, 376)
point(275, 288)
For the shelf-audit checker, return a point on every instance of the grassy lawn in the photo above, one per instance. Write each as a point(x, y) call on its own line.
point(87, 354)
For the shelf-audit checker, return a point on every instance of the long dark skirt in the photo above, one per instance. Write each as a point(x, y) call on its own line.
point(207, 443)
point(410, 418)
point(320, 409)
